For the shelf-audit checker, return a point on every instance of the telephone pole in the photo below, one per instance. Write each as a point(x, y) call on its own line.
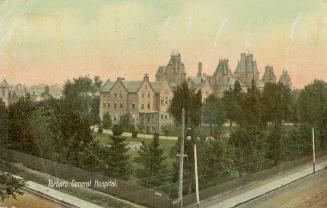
point(181, 162)
point(313, 151)
point(196, 177)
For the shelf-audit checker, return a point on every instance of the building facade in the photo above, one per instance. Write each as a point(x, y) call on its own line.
point(245, 73)
point(174, 72)
point(147, 102)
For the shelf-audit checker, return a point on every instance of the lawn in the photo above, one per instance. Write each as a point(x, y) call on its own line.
point(166, 145)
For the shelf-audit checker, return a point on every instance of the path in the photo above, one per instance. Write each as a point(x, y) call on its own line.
point(58, 196)
point(310, 191)
point(263, 187)
point(127, 134)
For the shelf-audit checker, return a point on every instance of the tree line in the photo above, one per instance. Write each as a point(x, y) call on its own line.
point(266, 127)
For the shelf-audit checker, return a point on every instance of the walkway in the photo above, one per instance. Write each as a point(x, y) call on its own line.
point(263, 187)
point(58, 196)
point(127, 134)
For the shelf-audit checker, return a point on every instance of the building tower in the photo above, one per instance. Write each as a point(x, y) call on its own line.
point(174, 72)
point(269, 75)
point(285, 79)
point(221, 78)
point(247, 70)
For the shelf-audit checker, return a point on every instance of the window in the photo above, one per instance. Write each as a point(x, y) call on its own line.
point(121, 105)
point(162, 101)
point(162, 116)
point(133, 106)
point(148, 105)
point(142, 107)
point(115, 95)
point(108, 105)
point(104, 104)
point(115, 105)
point(166, 101)
point(149, 95)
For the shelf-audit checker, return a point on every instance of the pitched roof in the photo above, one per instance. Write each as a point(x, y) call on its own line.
point(132, 86)
point(106, 87)
point(158, 85)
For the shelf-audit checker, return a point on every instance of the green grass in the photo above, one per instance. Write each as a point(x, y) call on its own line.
point(166, 145)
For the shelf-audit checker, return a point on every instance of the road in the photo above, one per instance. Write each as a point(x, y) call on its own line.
point(309, 192)
point(262, 187)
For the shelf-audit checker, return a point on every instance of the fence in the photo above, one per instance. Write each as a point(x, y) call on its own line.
point(131, 192)
point(236, 183)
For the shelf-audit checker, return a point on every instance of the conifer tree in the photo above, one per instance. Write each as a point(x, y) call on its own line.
point(151, 161)
point(119, 159)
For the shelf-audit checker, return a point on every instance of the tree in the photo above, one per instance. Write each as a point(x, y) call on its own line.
point(213, 113)
point(191, 101)
point(151, 158)
point(126, 123)
point(297, 141)
point(82, 93)
point(250, 145)
point(20, 135)
point(95, 157)
point(9, 185)
point(119, 158)
point(231, 103)
point(312, 106)
point(106, 121)
point(45, 128)
point(216, 159)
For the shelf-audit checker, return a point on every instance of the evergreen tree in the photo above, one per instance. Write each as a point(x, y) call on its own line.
point(213, 113)
point(276, 105)
point(20, 134)
point(312, 106)
point(125, 122)
point(191, 101)
point(119, 158)
point(9, 185)
point(232, 103)
point(106, 121)
point(151, 163)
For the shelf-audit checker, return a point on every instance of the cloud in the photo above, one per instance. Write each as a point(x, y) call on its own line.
point(294, 25)
point(220, 30)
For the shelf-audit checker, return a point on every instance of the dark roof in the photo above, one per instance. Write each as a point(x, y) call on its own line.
point(132, 86)
point(106, 87)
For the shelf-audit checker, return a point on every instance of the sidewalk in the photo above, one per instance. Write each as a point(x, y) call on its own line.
point(263, 187)
point(58, 196)
point(127, 134)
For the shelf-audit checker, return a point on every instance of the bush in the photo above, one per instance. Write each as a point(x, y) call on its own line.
point(100, 130)
point(107, 122)
point(134, 133)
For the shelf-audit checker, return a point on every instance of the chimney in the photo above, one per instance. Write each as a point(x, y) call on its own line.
point(200, 69)
point(146, 77)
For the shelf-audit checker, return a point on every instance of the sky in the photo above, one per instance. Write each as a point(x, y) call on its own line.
point(47, 41)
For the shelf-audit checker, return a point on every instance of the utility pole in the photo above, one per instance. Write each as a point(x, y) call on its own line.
point(196, 177)
point(313, 151)
point(181, 161)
